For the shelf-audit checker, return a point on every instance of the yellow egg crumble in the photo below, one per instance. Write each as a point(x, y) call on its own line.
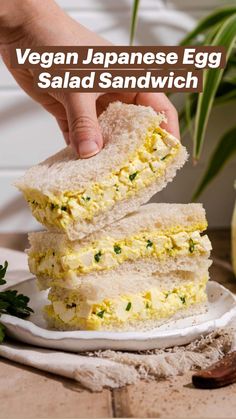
point(75, 312)
point(142, 168)
point(108, 253)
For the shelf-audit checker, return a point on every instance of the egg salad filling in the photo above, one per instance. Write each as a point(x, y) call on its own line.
point(143, 168)
point(108, 253)
point(74, 312)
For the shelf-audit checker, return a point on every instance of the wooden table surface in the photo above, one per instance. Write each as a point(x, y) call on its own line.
point(28, 393)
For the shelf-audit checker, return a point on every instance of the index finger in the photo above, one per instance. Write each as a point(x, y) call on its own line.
point(160, 103)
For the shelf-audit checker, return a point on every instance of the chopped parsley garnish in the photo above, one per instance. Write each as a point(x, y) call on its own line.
point(86, 198)
point(101, 313)
point(183, 299)
point(149, 243)
point(170, 251)
point(70, 305)
point(165, 157)
point(148, 305)
point(2, 332)
point(54, 206)
point(15, 304)
point(98, 255)
point(64, 208)
point(117, 188)
point(117, 249)
point(150, 165)
point(167, 294)
point(191, 245)
point(11, 302)
point(128, 307)
point(133, 176)
point(3, 270)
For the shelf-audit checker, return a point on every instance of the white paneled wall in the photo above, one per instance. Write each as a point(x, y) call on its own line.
point(29, 134)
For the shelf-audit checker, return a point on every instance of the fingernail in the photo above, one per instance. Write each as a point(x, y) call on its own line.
point(87, 149)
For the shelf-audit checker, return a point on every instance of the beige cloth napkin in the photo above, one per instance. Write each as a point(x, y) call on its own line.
point(108, 368)
point(93, 373)
point(114, 369)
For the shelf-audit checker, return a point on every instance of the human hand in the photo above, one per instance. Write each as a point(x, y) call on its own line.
point(45, 24)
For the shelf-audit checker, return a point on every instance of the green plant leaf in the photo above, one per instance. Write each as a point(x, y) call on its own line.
point(226, 93)
point(208, 22)
point(11, 302)
point(3, 269)
point(229, 97)
point(2, 333)
point(211, 80)
point(189, 112)
point(232, 59)
point(134, 18)
point(230, 78)
point(191, 102)
point(224, 151)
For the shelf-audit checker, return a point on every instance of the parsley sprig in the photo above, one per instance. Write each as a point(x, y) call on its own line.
point(11, 302)
point(3, 270)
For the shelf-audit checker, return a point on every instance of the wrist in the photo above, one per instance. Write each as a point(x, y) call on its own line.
point(17, 15)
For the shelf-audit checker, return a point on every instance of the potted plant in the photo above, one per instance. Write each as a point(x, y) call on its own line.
point(219, 87)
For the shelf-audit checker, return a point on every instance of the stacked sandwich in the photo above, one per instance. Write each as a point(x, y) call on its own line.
point(110, 263)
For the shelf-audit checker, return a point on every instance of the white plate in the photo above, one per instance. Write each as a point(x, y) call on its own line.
point(221, 310)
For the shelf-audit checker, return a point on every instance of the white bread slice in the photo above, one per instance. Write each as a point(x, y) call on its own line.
point(136, 325)
point(131, 287)
point(113, 284)
point(124, 128)
point(165, 219)
point(136, 268)
point(162, 217)
point(122, 208)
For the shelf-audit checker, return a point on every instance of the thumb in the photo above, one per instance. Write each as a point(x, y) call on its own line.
point(84, 131)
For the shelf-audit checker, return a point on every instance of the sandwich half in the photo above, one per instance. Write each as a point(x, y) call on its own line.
point(77, 196)
point(158, 237)
point(128, 301)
